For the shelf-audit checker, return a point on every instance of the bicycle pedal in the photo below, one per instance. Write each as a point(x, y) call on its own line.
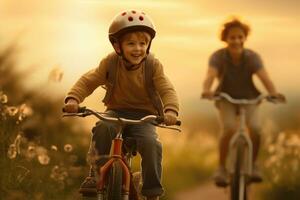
point(88, 192)
point(221, 184)
point(255, 180)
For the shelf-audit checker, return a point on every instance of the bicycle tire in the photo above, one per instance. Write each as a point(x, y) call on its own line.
point(114, 185)
point(238, 181)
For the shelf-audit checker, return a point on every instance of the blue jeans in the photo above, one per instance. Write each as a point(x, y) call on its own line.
point(148, 146)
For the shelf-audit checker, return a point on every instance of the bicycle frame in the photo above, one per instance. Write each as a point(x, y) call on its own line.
point(115, 156)
point(247, 166)
point(241, 133)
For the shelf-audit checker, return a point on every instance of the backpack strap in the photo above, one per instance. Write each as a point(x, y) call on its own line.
point(149, 84)
point(111, 76)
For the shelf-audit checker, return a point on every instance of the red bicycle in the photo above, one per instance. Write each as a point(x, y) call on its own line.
point(115, 176)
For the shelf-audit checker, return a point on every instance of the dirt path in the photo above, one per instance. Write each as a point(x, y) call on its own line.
point(206, 191)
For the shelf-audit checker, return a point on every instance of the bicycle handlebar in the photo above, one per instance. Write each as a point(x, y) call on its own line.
point(270, 98)
point(83, 112)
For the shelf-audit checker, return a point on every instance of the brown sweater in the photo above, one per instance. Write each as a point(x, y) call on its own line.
point(129, 90)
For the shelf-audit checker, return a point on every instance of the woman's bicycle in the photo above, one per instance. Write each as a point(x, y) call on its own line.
point(240, 158)
point(115, 176)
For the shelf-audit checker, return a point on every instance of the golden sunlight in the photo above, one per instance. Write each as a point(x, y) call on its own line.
point(73, 35)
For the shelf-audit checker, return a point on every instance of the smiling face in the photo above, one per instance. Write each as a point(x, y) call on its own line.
point(134, 46)
point(235, 40)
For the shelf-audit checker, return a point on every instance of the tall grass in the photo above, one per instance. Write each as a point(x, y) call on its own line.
point(41, 156)
point(280, 153)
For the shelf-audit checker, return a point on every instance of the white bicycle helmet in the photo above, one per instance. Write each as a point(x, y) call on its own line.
point(128, 21)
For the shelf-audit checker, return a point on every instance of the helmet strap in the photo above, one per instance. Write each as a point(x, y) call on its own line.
point(148, 49)
point(121, 54)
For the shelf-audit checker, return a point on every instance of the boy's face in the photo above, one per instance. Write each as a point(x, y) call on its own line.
point(235, 39)
point(134, 46)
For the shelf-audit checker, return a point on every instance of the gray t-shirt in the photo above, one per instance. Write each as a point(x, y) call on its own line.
point(236, 80)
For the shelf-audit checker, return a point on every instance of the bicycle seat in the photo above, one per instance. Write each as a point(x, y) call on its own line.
point(130, 146)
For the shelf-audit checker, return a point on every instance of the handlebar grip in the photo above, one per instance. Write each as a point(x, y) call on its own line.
point(178, 123)
point(271, 97)
point(160, 120)
point(80, 109)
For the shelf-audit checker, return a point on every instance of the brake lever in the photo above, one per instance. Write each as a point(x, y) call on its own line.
point(275, 99)
point(82, 112)
point(76, 114)
point(169, 127)
point(69, 114)
point(155, 123)
point(160, 120)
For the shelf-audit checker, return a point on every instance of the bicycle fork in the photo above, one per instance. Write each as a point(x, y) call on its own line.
point(115, 156)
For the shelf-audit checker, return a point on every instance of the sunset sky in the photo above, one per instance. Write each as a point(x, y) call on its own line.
point(72, 35)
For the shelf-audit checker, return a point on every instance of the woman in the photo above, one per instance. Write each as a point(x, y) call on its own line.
point(234, 67)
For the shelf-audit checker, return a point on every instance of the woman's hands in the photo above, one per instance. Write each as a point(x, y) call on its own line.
point(208, 95)
point(280, 97)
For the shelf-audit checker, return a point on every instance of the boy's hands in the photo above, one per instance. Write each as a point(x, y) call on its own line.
point(71, 106)
point(170, 118)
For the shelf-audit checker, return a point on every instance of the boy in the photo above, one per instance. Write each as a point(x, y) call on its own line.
point(130, 34)
point(234, 67)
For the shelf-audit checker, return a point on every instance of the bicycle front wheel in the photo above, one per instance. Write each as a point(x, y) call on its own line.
point(114, 185)
point(238, 187)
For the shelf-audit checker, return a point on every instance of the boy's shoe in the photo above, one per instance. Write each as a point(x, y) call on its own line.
point(221, 177)
point(88, 186)
point(256, 176)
